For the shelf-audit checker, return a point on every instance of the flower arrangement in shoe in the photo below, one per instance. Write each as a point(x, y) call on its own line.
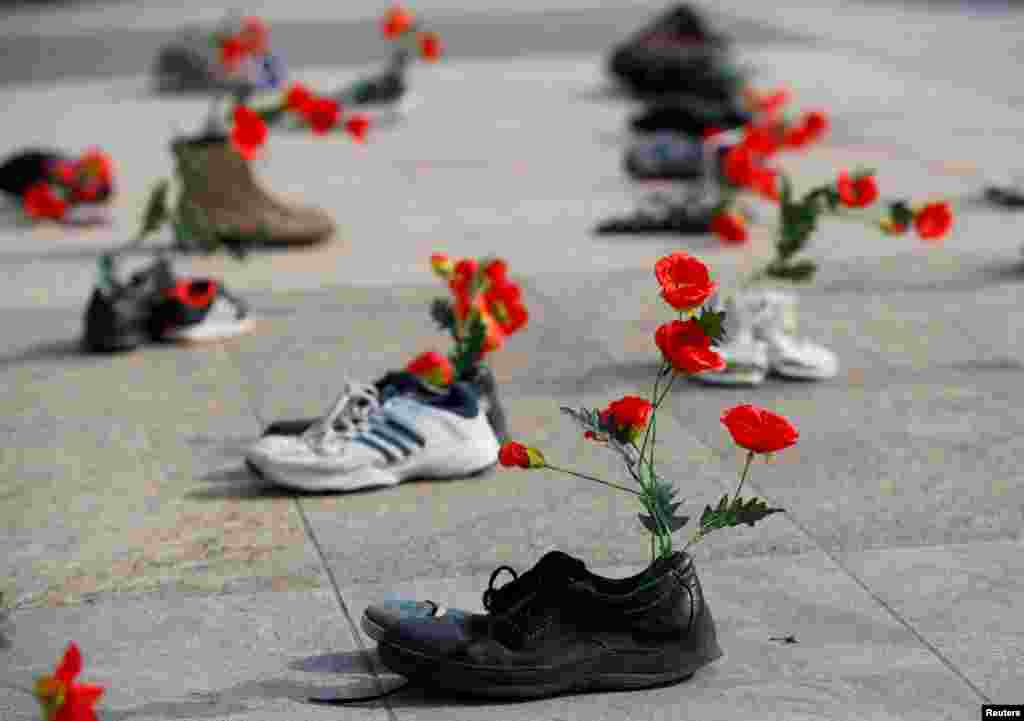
point(61, 697)
point(322, 113)
point(629, 425)
point(485, 308)
point(87, 180)
point(243, 51)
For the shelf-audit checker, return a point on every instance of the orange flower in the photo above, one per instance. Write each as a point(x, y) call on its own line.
point(858, 193)
point(730, 227)
point(41, 202)
point(517, 455)
point(397, 21)
point(432, 367)
point(687, 347)
point(430, 47)
point(249, 132)
point(759, 430)
point(299, 98)
point(934, 220)
point(61, 698)
point(685, 281)
point(322, 114)
point(357, 126)
point(254, 35)
point(442, 264)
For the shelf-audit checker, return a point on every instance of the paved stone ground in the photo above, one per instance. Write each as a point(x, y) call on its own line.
point(197, 592)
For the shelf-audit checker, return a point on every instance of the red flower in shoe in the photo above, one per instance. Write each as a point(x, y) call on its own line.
point(232, 51)
point(730, 227)
point(504, 303)
point(255, 35)
point(357, 126)
point(738, 165)
point(193, 293)
point(934, 220)
point(298, 99)
point(430, 47)
point(249, 133)
point(685, 281)
point(627, 417)
point(432, 367)
point(764, 182)
point(812, 128)
point(759, 430)
point(687, 347)
point(41, 202)
point(858, 193)
point(397, 21)
point(322, 114)
point(61, 698)
point(516, 455)
point(761, 139)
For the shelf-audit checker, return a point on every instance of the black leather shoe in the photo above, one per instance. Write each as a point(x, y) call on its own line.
point(674, 220)
point(559, 628)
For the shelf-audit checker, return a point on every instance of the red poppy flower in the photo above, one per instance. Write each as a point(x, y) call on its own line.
point(934, 220)
point(357, 126)
point(730, 227)
point(430, 47)
point(627, 417)
point(517, 455)
point(761, 139)
point(811, 128)
point(322, 114)
point(41, 202)
point(254, 35)
point(496, 270)
point(685, 281)
point(397, 21)
point(61, 698)
point(232, 51)
point(432, 367)
point(759, 430)
point(858, 193)
point(738, 165)
point(687, 347)
point(193, 293)
point(298, 99)
point(764, 182)
point(94, 163)
point(249, 132)
point(504, 304)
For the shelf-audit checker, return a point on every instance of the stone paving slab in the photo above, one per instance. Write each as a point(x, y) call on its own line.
point(964, 599)
point(238, 656)
point(851, 659)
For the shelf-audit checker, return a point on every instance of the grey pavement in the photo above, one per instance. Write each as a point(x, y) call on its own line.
point(198, 592)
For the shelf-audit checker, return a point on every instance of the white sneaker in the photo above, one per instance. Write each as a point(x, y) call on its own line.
point(745, 357)
point(788, 355)
point(382, 444)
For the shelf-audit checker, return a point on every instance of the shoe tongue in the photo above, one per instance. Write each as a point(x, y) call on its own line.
point(398, 383)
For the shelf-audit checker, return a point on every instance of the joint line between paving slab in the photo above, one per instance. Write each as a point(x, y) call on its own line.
point(364, 654)
point(875, 597)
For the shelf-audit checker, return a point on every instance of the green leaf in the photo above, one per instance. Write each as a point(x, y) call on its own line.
point(731, 514)
point(798, 272)
point(713, 323)
point(156, 213)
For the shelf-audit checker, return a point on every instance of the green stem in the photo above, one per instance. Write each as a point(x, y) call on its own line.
point(654, 396)
point(746, 468)
point(591, 478)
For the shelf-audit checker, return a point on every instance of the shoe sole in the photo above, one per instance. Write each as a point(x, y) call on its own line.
point(751, 378)
point(210, 332)
point(611, 672)
point(449, 466)
point(801, 373)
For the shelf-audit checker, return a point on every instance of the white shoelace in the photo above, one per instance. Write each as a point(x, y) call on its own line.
point(349, 415)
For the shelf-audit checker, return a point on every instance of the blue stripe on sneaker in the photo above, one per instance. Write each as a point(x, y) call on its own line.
point(382, 434)
point(377, 446)
point(406, 430)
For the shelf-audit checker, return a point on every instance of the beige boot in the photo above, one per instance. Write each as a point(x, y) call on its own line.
point(219, 183)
